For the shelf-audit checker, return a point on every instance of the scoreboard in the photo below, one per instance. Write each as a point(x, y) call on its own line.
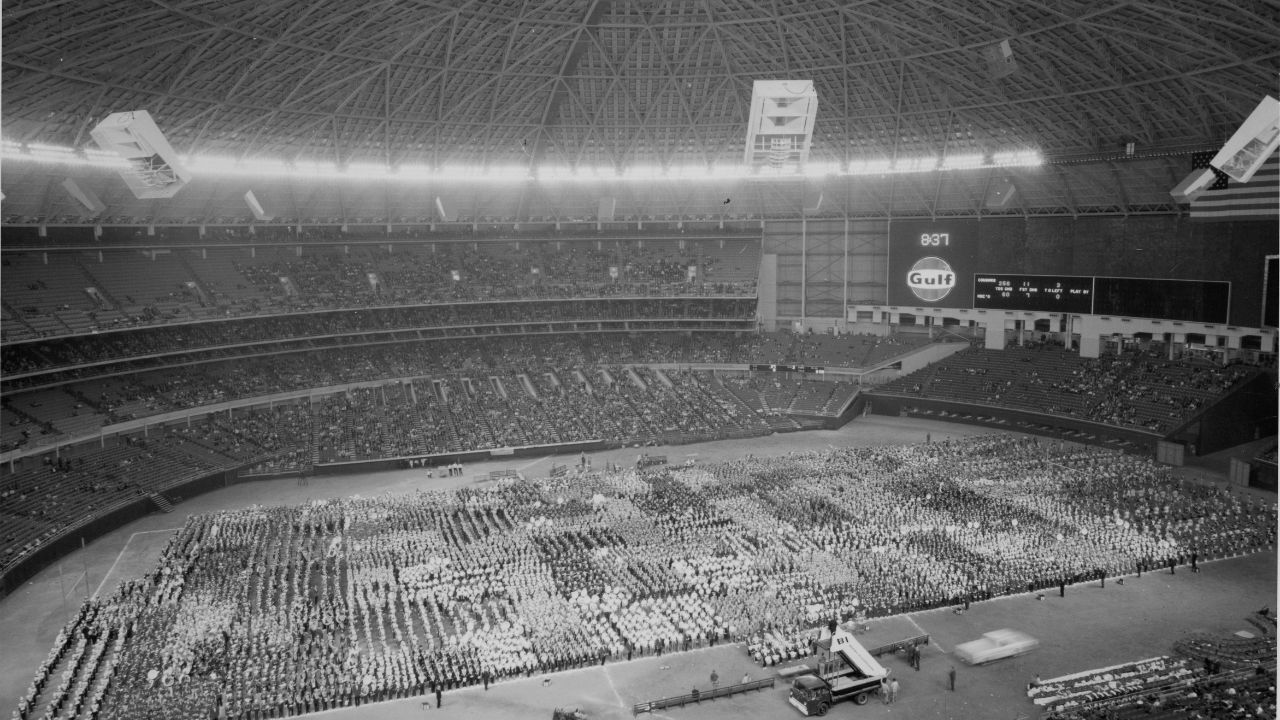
point(1202, 301)
point(932, 263)
point(950, 263)
point(1040, 293)
point(1271, 292)
point(1205, 301)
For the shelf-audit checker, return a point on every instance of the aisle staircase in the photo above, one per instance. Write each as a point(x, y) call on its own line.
point(161, 502)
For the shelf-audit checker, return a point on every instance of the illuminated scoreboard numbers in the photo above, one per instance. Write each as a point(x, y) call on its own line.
point(1042, 293)
point(935, 239)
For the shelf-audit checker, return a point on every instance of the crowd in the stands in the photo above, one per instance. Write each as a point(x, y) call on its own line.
point(35, 414)
point(1166, 688)
point(369, 324)
point(274, 611)
point(1134, 389)
point(129, 290)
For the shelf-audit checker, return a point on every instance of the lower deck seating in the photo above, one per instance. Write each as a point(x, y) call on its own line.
point(1133, 390)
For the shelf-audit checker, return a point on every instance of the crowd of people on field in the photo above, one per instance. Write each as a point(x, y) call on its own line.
point(272, 611)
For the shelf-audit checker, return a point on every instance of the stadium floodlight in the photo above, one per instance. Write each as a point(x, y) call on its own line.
point(919, 164)
point(153, 169)
point(367, 171)
point(216, 165)
point(643, 172)
point(816, 170)
point(50, 150)
point(221, 165)
point(503, 173)
point(870, 167)
point(1017, 158)
point(557, 173)
point(963, 162)
point(315, 169)
point(266, 166)
point(413, 172)
point(730, 172)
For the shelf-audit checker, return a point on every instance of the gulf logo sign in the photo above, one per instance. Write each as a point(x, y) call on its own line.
point(931, 278)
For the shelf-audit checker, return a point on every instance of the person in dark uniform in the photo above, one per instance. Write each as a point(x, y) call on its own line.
point(951, 678)
point(437, 696)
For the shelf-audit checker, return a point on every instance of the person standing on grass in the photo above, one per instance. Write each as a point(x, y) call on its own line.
point(715, 679)
point(893, 690)
point(951, 678)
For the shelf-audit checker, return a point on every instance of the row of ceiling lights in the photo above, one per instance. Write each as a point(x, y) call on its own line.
point(259, 167)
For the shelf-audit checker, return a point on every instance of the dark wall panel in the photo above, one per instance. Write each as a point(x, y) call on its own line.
point(1003, 245)
point(1049, 245)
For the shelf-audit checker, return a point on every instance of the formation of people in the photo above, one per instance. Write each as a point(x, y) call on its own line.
point(284, 610)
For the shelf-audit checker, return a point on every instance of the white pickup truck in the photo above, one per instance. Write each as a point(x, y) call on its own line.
point(995, 645)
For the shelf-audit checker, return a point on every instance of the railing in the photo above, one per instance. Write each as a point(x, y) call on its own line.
point(1160, 688)
point(903, 644)
point(682, 700)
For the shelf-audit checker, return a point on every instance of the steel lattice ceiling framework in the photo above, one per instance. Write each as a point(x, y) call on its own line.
point(619, 83)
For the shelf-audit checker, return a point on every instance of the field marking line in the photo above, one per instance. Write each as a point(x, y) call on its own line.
point(933, 642)
point(121, 554)
point(531, 463)
point(609, 678)
point(76, 583)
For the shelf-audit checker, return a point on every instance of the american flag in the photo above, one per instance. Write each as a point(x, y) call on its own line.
point(1226, 199)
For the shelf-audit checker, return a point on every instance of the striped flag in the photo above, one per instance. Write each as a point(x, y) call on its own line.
point(1226, 199)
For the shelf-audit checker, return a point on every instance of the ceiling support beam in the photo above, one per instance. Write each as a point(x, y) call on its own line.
point(568, 68)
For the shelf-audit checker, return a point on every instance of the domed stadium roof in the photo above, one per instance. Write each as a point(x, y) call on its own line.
point(612, 83)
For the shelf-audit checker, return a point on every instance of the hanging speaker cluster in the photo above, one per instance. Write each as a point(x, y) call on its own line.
point(1000, 61)
point(1000, 193)
point(255, 207)
point(153, 170)
point(607, 207)
point(780, 129)
point(86, 197)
